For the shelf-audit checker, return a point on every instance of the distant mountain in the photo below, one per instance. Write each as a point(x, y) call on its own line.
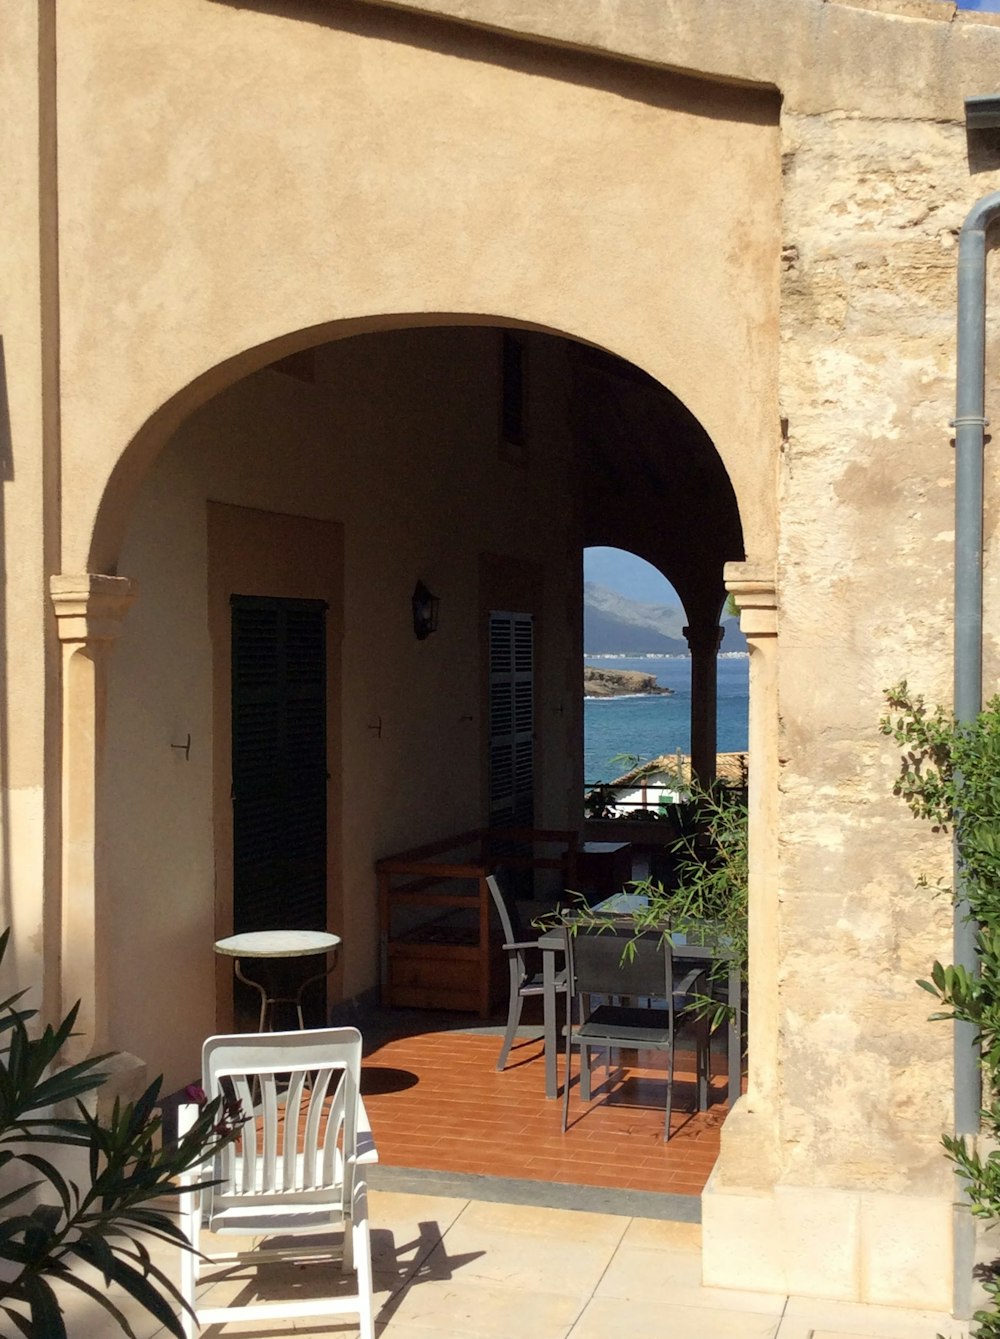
point(614, 624)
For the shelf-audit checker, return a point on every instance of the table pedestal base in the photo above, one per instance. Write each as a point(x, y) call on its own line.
point(269, 1001)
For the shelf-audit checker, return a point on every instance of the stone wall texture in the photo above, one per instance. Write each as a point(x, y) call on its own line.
point(871, 214)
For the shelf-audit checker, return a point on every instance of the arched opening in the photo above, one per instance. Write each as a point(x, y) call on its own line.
point(472, 462)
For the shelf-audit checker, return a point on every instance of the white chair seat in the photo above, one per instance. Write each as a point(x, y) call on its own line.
point(246, 1220)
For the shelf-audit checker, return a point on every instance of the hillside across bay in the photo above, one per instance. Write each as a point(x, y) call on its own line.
point(615, 625)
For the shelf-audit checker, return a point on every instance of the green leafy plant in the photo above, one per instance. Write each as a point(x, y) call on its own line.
point(601, 801)
point(707, 894)
point(50, 1226)
point(950, 776)
point(710, 884)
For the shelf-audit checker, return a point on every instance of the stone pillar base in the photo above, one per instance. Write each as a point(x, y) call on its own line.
point(854, 1246)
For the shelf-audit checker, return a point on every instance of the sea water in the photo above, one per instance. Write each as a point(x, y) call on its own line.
point(644, 727)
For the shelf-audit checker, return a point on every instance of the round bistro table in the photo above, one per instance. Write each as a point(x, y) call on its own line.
point(270, 944)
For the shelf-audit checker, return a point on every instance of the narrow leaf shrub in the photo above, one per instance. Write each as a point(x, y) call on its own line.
point(49, 1224)
point(950, 776)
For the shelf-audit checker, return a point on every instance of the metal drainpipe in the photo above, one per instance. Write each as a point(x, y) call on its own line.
point(970, 432)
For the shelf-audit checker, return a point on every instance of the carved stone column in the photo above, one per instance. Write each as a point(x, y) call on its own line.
point(89, 610)
point(750, 1132)
point(704, 640)
point(742, 1187)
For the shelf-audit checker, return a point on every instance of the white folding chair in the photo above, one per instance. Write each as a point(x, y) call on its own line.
point(297, 1168)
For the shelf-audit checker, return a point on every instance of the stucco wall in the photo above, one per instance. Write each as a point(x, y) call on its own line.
point(398, 441)
point(208, 207)
point(909, 58)
point(469, 176)
point(24, 165)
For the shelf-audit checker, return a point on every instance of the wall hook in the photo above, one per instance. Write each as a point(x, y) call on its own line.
point(376, 726)
point(184, 748)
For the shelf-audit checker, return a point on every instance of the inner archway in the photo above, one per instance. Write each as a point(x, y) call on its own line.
point(634, 624)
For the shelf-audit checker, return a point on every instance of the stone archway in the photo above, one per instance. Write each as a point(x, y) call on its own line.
point(214, 428)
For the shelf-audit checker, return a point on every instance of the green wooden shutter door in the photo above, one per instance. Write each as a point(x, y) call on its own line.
point(512, 720)
point(279, 763)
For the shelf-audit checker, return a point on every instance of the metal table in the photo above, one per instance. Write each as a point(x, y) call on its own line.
point(686, 945)
point(279, 944)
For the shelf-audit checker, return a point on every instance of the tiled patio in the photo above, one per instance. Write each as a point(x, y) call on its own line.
point(588, 1235)
point(437, 1102)
point(491, 1260)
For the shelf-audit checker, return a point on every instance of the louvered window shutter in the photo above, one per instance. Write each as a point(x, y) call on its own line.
point(279, 763)
point(512, 720)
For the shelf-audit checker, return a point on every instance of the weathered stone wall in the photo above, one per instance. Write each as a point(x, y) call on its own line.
point(860, 1085)
point(871, 214)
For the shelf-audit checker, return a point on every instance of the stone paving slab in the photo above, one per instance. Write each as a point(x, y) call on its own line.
point(466, 1269)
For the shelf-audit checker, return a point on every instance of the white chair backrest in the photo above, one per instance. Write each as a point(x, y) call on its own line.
point(300, 1092)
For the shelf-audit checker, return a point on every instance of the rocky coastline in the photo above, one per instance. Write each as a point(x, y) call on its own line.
point(599, 682)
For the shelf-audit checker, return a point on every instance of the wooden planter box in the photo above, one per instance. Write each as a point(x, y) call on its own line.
point(445, 972)
point(453, 959)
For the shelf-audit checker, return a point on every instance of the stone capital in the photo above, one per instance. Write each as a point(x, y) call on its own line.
point(753, 589)
point(90, 607)
point(703, 638)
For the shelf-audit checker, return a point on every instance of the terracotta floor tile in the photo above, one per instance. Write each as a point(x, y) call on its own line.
point(437, 1101)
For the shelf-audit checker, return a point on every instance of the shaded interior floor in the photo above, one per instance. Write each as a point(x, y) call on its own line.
point(437, 1102)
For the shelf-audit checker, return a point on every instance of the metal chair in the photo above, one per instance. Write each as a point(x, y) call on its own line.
point(525, 979)
point(611, 962)
point(296, 1169)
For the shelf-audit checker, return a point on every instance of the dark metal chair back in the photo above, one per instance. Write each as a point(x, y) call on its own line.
point(506, 909)
point(615, 962)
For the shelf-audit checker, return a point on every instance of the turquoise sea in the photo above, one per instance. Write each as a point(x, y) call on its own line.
point(648, 726)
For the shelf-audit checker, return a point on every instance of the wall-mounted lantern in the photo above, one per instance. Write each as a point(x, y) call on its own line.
point(425, 611)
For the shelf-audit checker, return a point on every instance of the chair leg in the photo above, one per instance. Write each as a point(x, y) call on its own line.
point(670, 1091)
point(565, 1102)
point(363, 1259)
point(704, 1050)
point(513, 1019)
point(585, 1073)
point(569, 1052)
point(189, 1267)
